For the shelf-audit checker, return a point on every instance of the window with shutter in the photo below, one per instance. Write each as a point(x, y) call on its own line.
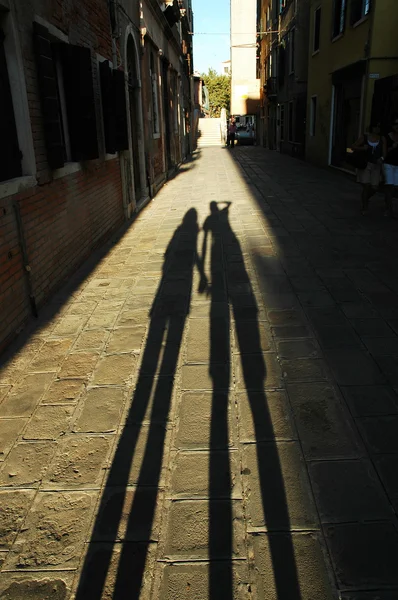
point(154, 93)
point(48, 88)
point(359, 9)
point(108, 112)
point(119, 87)
point(10, 154)
point(317, 29)
point(80, 104)
point(339, 17)
point(281, 64)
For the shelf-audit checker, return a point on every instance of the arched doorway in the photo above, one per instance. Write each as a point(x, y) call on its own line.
point(134, 92)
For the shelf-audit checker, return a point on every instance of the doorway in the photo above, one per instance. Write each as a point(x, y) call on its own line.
point(348, 86)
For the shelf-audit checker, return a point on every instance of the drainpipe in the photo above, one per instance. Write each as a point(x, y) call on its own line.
point(27, 269)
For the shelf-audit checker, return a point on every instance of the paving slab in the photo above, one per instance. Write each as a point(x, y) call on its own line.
point(366, 401)
point(190, 581)
point(100, 410)
point(348, 491)
point(26, 464)
point(53, 532)
point(197, 411)
point(188, 536)
point(380, 433)
point(354, 367)
point(364, 555)
point(322, 422)
point(217, 475)
point(36, 586)
point(105, 559)
point(277, 467)
point(15, 505)
point(291, 566)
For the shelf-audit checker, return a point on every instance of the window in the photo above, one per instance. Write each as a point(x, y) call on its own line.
point(10, 154)
point(317, 29)
point(290, 117)
point(282, 5)
point(291, 50)
point(282, 121)
point(67, 97)
point(114, 106)
point(339, 17)
point(359, 10)
point(154, 93)
point(314, 100)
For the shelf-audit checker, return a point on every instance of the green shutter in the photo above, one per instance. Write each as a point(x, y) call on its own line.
point(80, 104)
point(48, 88)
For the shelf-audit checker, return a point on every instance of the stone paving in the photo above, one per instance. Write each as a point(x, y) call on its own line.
point(208, 409)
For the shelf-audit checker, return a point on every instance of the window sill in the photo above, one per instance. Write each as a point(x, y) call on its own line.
point(361, 20)
point(156, 136)
point(17, 185)
point(337, 37)
point(68, 169)
point(315, 52)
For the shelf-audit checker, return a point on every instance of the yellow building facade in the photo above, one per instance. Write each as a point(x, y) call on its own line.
point(353, 56)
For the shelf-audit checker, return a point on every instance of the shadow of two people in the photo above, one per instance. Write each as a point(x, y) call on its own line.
point(229, 291)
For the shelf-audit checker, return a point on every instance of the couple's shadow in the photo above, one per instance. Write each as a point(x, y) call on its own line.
point(117, 557)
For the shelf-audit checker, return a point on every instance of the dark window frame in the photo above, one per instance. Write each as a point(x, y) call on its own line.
point(154, 82)
point(282, 122)
point(66, 87)
point(359, 9)
point(339, 17)
point(292, 65)
point(313, 115)
point(290, 116)
point(316, 41)
point(11, 159)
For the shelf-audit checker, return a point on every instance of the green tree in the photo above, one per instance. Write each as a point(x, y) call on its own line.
point(219, 87)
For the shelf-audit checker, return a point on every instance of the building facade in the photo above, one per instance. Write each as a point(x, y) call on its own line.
point(96, 112)
point(245, 86)
point(282, 66)
point(353, 57)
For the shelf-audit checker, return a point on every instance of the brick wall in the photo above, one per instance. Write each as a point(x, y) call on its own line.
point(14, 301)
point(62, 223)
point(61, 219)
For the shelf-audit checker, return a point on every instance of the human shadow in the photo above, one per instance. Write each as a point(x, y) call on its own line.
point(125, 516)
point(229, 276)
point(220, 480)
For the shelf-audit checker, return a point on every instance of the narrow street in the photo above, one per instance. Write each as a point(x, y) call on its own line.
point(208, 410)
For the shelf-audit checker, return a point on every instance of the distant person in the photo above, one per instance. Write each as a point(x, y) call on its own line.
point(370, 176)
point(231, 133)
point(390, 154)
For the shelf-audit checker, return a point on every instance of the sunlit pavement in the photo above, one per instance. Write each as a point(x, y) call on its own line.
point(208, 410)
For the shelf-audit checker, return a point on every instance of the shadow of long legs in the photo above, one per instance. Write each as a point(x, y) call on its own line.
point(151, 467)
point(220, 484)
point(166, 329)
point(254, 371)
point(272, 487)
point(220, 481)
